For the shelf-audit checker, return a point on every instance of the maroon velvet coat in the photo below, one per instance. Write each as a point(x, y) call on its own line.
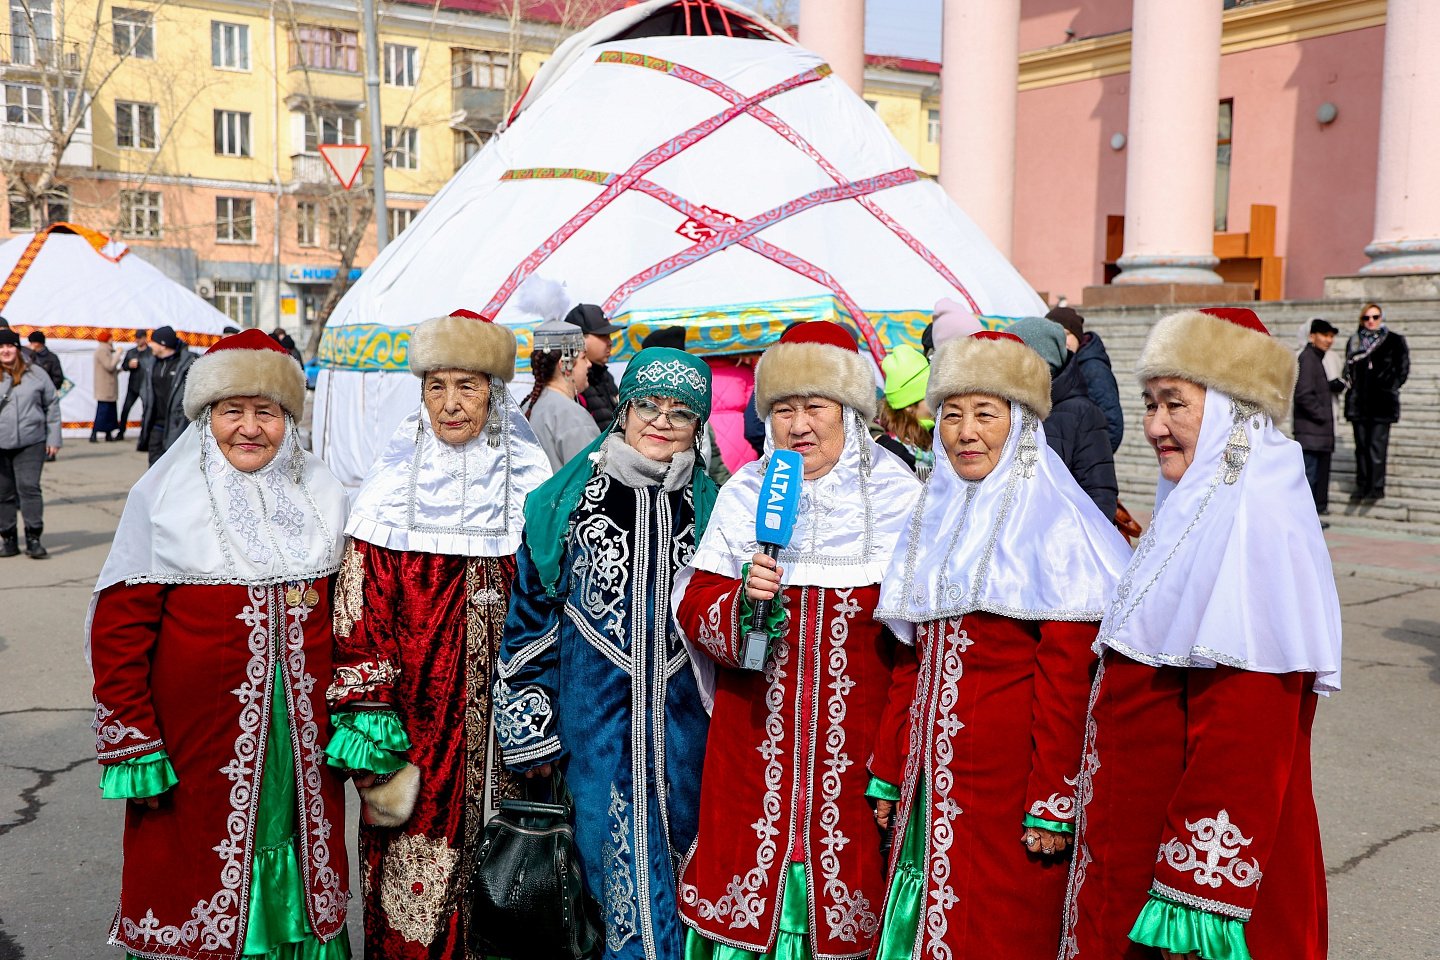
point(1196, 784)
point(191, 669)
point(785, 768)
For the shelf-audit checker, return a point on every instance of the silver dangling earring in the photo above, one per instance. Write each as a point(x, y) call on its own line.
point(494, 426)
point(862, 434)
point(1237, 445)
point(297, 455)
point(1027, 453)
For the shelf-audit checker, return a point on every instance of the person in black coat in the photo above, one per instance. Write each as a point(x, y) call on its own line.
point(1076, 429)
point(44, 358)
point(1094, 362)
point(1377, 364)
point(603, 393)
point(136, 364)
point(1314, 418)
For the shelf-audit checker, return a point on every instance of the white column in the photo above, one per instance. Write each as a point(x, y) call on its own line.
point(1170, 163)
point(835, 29)
point(1407, 186)
point(979, 78)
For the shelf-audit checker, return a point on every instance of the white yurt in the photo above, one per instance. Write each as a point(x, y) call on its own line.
point(72, 283)
point(679, 163)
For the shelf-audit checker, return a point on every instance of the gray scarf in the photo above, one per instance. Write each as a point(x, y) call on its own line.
point(632, 468)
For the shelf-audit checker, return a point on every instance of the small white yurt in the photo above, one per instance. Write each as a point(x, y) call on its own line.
point(679, 163)
point(71, 283)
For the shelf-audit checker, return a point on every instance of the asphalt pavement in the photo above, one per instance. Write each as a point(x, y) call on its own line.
point(1376, 748)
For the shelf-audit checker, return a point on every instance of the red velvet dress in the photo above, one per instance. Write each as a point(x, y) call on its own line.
point(785, 768)
point(1195, 785)
point(418, 633)
point(191, 669)
point(999, 708)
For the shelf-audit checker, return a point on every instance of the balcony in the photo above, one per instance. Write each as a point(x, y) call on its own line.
point(25, 53)
point(477, 108)
point(309, 170)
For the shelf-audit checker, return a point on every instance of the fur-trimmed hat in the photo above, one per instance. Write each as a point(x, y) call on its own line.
point(245, 364)
point(816, 358)
point(990, 362)
point(1226, 348)
point(463, 341)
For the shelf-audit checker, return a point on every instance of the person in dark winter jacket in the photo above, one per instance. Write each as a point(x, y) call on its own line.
point(1377, 364)
point(1314, 418)
point(1094, 362)
point(603, 393)
point(137, 366)
point(164, 419)
point(44, 358)
point(1076, 428)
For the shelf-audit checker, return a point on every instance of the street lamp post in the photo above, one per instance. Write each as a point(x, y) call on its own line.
point(377, 126)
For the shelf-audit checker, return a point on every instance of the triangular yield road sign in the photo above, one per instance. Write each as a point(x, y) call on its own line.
point(344, 160)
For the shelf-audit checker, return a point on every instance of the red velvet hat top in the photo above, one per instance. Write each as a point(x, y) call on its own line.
point(470, 315)
point(251, 339)
point(821, 331)
point(1240, 316)
point(997, 335)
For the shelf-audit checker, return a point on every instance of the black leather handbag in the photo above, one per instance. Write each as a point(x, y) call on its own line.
point(527, 894)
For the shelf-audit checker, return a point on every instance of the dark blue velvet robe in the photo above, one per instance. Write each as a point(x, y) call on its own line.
point(598, 678)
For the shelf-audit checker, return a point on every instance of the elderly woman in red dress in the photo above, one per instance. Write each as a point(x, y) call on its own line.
point(1000, 582)
point(210, 639)
point(1195, 779)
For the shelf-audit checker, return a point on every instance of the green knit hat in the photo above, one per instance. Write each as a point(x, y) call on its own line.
point(906, 373)
point(666, 372)
point(1045, 337)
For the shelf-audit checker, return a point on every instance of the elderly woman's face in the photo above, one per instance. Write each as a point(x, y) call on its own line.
point(813, 427)
point(973, 429)
point(458, 402)
point(1173, 411)
point(660, 427)
point(249, 430)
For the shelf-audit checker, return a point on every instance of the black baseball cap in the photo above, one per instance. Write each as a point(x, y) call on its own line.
point(1323, 326)
point(591, 319)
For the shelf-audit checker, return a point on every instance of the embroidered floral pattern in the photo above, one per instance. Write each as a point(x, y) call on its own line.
point(109, 735)
point(349, 591)
point(1057, 806)
point(415, 884)
point(1084, 792)
point(604, 571)
point(361, 678)
point(952, 643)
point(1211, 853)
point(619, 880)
point(672, 373)
point(850, 915)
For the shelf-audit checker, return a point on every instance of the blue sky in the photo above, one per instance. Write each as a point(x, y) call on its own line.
point(906, 28)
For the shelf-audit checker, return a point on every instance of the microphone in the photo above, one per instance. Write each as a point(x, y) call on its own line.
point(774, 524)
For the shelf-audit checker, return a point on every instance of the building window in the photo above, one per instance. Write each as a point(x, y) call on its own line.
point(234, 220)
point(229, 45)
point(400, 65)
point(74, 101)
point(479, 69)
point(140, 213)
point(135, 125)
point(402, 148)
point(334, 228)
point(330, 128)
point(1222, 165)
point(236, 299)
point(25, 104)
point(325, 48)
point(32, 33)
point(134, 33)
point(932, 126)
point(307, 223)
point(232, 133)
point(467, 144)
point(57, 210)
point(400, 218)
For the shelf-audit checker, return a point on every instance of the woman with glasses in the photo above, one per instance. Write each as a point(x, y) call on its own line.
point(593, 678)
point(1377, 364)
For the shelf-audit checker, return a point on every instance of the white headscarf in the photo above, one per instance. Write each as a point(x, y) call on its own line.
point(195, 519)
point(1025, 542)
point(847, 526)
point(1233, 569)
point(427, 496)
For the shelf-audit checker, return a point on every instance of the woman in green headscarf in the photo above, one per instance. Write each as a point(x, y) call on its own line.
point(592, 674)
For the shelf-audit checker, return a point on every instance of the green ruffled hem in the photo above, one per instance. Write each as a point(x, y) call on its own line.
point(138, 777)
point(1054, 826)
point(277, 900)
point(373, 741)
point(901, 922)
point(1168, 925)
point(791, 943)
point(882, 790)
point(338, 948)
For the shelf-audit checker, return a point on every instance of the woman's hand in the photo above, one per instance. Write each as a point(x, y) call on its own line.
point(147, 803)
point(51, 451)
point(364, 781)
point(1048, 842)
point(544, 770)
point(764, 580)
point(884, 811)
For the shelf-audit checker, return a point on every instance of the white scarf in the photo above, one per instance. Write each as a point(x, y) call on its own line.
point(847, 526)
point(427, 496)
point(1025, 542)
point(195, 519)
point(1233, 569)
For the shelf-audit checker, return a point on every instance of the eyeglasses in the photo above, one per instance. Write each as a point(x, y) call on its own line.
point(1372, 316)
point(649, 411)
